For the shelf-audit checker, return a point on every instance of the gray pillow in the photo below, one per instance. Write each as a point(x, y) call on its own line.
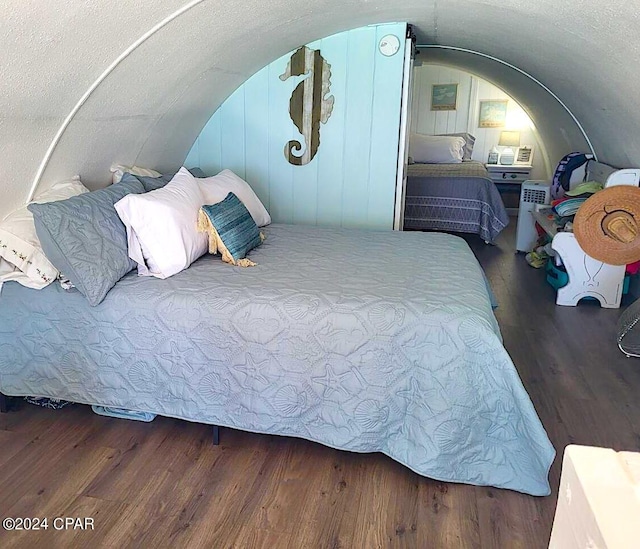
point(153, 183)
point(85, 240)
point(197, 172)
point(149, 183)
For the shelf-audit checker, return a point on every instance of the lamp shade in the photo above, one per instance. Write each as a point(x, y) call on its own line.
point(509, 139)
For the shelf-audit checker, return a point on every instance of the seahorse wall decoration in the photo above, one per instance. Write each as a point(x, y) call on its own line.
point(309, 104)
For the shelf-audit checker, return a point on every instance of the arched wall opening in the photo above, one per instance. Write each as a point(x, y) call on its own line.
point(344, 172)
point(471, 93)
point(152, 105)
point(557, 129)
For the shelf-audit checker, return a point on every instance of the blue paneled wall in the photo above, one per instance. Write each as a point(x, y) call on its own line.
point(351, 180)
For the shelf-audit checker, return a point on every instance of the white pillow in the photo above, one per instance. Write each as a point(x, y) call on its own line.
point(162, 233)
point(19, 244)
point(215, 189)
point(119, 170)
point(436, 149)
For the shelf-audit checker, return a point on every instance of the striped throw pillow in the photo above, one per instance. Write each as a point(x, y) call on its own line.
point(231, 229)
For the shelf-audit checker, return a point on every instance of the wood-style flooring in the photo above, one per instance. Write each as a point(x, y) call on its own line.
point(164, 484)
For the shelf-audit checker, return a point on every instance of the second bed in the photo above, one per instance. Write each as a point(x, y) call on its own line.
point(454, 197)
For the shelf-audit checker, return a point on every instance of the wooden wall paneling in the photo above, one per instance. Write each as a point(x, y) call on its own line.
point(429, 118)
point(421, 101)
point(414, 118)
point(472, 99)
point(281, 129)
point(486, 138)
point(257, 161)
point(428, 80)
point(418, 107)
point(438, 122)
point(232, 121)
point(331, 176)
point(385, 134)
point(359, 97)
point(447, 119)
point(462, 112)
point(210, 147)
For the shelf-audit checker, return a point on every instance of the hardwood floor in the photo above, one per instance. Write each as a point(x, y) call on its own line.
point(164, 484)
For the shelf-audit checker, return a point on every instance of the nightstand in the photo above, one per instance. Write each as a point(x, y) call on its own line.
point(508, 180)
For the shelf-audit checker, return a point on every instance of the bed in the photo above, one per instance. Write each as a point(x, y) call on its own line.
point(457, 197)
point(447, 191)
point(366, 341)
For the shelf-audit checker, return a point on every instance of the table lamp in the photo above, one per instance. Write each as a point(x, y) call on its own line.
point(508, 140)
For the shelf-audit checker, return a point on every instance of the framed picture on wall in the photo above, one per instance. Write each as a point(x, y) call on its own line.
point(493, 113)
point(444, 97)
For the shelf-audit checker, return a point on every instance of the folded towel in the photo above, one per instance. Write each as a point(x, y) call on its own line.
point(569, 207)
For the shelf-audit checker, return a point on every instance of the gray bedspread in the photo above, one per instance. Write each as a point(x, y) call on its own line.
point(361, 340)
point(454, 197)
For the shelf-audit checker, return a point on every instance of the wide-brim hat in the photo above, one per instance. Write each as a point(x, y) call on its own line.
point(607, 225)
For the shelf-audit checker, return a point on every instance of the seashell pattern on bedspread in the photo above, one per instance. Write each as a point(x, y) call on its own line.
point(366, 341)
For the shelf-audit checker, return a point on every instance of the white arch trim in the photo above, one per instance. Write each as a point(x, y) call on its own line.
point(65, 124)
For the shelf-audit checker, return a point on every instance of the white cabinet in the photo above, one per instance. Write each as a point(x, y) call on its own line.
point(598, 503)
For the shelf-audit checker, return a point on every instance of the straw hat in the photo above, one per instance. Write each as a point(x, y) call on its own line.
point(607, 225)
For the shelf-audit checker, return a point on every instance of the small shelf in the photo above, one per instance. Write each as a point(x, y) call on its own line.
point(546, 219)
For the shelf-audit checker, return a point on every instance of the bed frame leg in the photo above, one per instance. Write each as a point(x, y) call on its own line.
point(8, 403)
point(216, 435)
point(4, 403)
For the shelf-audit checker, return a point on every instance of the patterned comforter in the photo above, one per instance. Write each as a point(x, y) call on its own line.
point(454, 197)
point(362, 340)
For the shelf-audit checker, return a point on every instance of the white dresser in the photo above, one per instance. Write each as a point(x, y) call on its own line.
point(598, 501)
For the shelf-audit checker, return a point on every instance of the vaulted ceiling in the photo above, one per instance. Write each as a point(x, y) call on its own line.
point(86, 84)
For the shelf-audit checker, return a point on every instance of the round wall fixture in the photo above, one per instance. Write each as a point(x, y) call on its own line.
point(389, 45)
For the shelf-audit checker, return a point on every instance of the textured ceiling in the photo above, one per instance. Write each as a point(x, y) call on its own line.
point(148, 103)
